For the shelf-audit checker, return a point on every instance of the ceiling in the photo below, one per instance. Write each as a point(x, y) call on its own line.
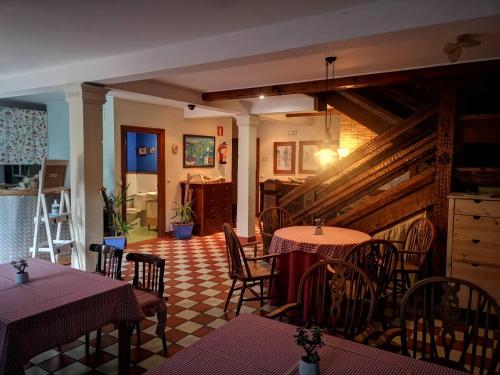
point(211, 45)
point(37, 34)
point(387, 52)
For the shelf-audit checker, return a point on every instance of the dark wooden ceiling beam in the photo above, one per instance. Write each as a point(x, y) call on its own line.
point(359, 113)
point(403, 99)
point(361, 81)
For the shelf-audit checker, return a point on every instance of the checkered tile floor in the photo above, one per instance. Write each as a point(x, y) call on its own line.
point(196, 284)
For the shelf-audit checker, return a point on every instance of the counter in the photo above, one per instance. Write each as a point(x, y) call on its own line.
point(17, 210)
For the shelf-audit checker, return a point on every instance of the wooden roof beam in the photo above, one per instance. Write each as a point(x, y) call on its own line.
point(361, 81)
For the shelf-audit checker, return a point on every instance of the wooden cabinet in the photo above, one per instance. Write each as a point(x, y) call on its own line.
point(212, 204)
point(473, 251)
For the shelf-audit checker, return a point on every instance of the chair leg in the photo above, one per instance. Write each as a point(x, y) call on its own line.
point(229, 294)
point(240, 301)
point(261, 293)
point(394, 296)
point(87, 344)
point(163, 338)
point(97, 345)
point(138, 327)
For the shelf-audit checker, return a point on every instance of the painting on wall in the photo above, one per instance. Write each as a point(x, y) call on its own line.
point(199, 151)
point(284, 158)
point(308, 163)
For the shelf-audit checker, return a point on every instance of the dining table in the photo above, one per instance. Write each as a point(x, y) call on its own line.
point(253, 345)
point(298, 248)
point(58, 305)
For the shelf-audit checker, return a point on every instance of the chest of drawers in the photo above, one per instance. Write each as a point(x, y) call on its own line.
point(473, 248)
point(212, 205)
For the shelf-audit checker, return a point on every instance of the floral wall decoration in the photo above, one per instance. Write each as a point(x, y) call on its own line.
point(23, 136)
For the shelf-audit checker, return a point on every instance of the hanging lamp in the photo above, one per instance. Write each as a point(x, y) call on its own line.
point(326, 155)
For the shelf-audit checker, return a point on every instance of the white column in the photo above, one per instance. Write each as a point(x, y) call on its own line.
point(85, 135)
point(247, 163)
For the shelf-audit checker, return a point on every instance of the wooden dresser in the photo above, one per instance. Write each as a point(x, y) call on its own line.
point(212, 204)
point(473, 251)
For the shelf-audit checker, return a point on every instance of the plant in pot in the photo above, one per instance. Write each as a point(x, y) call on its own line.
point(119, 219)
point(310, 341)
point(183, 229)
point(21, 275)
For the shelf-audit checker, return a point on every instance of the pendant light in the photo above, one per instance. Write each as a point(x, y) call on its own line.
point(326, 155)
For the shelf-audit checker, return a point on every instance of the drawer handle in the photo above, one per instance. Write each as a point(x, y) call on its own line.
point(477, 200)
point(476, 241)
point(476, 217)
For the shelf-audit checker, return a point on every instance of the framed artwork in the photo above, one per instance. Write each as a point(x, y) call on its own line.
point(284, 158)
point(308, 163)
point(199, 151)
point(142, 151)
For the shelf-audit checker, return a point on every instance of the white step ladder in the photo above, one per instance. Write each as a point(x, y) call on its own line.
point(52, 177)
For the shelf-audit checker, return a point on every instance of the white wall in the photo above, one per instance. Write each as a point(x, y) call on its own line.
point(275, 128)
point(142, 182)
point(172, 120)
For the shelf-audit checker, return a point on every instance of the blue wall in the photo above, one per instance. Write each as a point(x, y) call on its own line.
point(136, 163)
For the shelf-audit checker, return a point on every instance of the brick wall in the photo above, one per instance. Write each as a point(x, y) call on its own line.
point(353, 134)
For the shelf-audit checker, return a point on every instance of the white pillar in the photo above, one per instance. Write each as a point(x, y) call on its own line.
point(85, 135)
point(247, 163)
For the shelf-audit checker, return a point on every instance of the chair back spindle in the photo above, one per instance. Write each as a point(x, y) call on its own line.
point(109, 260)
point(337, 296)
point(451, 322)
point(419, 238)
point(235, 256)
point(149, 271)
point(270, 220)
point(378, 260)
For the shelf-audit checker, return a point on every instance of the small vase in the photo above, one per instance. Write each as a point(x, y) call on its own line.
point(306, 368)
point(21, 278)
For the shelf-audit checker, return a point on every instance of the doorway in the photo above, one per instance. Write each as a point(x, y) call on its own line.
point(143, 175)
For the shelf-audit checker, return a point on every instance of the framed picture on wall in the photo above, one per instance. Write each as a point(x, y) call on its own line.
point(284, 158)
point(142, 151)
point(199, 151)
point(308, 163)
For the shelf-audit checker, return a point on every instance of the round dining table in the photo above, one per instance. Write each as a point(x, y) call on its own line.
point(298, 248)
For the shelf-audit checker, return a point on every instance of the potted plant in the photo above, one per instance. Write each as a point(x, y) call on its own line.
point(183, 229)
point(20, 265)
point(310, 341)
point(120, 225)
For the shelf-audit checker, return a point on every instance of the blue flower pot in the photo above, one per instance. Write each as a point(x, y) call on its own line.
point(183, 231)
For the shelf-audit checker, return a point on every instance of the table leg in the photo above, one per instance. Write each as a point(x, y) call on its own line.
point(123, 348)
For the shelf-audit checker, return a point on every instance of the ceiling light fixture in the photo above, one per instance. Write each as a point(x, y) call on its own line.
point(261, 96)
point(326, 155)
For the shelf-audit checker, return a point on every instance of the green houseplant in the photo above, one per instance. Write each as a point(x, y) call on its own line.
point(310, 341)
point(121, 227)
point(21, 275)
point(183, 229)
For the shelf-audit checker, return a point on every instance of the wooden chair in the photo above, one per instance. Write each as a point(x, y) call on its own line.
point(413, 257)
point(248, 270)
point(270, 220)
point(335, 295)
point(148, 283)
point(451, 322)
point(377, 259)
point(109, 264)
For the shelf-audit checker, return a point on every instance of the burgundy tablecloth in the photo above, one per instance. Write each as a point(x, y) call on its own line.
point(58, 305)
point(299, 248)
point(252, 345)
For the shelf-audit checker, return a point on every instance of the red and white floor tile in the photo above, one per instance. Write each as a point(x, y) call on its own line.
point(196, 283)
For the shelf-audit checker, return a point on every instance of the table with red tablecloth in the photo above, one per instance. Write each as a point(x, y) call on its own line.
point(253, 345)
point(299, 248)
point(56, 306)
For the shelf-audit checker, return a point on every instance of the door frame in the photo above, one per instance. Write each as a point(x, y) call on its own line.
point(160, 168)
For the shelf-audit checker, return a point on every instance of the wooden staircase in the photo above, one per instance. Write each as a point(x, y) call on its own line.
point(349, 193)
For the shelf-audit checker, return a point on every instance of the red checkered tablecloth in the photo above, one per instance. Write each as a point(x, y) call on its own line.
point(58, 305)
point(252, 345)
point(333, 243)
